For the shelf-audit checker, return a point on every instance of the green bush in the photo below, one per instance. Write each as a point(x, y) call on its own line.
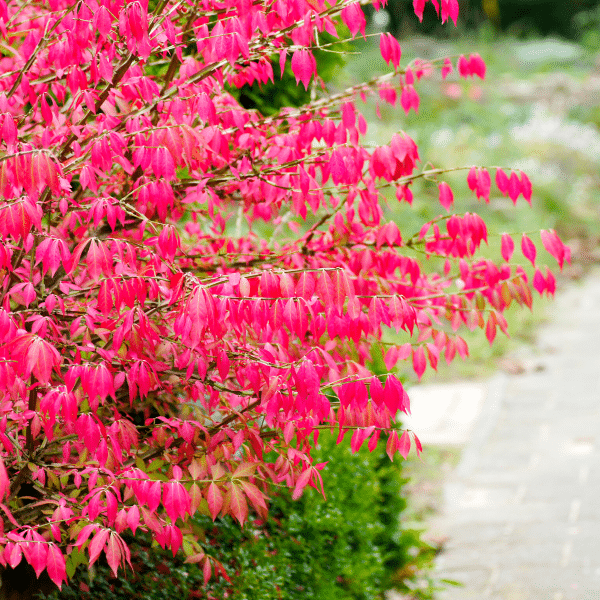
point(351, 546)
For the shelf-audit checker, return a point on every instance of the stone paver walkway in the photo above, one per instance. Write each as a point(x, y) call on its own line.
point(445, 414)
point(522, 510)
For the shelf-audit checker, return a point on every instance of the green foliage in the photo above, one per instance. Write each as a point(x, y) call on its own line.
point(351, 546)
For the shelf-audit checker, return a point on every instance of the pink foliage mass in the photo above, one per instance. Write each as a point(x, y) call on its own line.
point(160, 354)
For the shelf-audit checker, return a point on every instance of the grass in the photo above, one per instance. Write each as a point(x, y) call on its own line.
point(426, 476)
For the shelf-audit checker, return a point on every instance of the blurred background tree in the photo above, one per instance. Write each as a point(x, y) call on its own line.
point(520, 17)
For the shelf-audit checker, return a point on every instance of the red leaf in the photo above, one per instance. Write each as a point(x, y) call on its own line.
point(392, 444)
point(325, 290)
point(490, 328)
point(236, 502)
point(502, 181)
point(539, 283)
point(304, 66)
point(195, 498)
point(404, 444)
point(301, 483)
point(446, 195)
point(214, 497)
point(176, 500)
point(553, 245)
point(36, 551)
point(99, 259)
point(339, 289)
point(97, 545)
point(113, 552)
point(56, 565)
point(245, 469)
point(419, 361)
point(508, 247)
point(42, 357)
point(4, 481)
point(254, 495)
point(528, 249)
point(526, 187)
point(514, 187)
point(305, 287)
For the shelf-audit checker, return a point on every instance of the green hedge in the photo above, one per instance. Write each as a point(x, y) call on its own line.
point(352, 546)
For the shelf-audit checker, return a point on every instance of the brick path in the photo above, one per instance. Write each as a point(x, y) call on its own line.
point(522, 511)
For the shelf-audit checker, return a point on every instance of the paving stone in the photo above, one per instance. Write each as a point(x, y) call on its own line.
point(522, 512)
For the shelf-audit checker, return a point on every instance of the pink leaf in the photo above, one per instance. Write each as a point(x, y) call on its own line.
point(514, 187)
point(4, 481)
point(419, 361)
point(337, 168)
point(354, 18)
point(176, 500)
point(419, 7)
point(97, 545)
point(42, 357)
point(36, 552)
point(447, 68)
point(502, 181)
point(550, 283)
point(553, 244)
point(539, 283)
point(301, 483)
point(526, 187)
point(417, 444)
point(508, 247)
point(446, 195)
point(464, 68)
point(528, 249)
point(238, 507)
point(477, 66)
point(325, 289)
point(214, 497)
point(56, 565)
point(303, 66)
point(390, 49)
point(490, 328)
point(306, 285)
point(113, 552)
point(404, 445)
point(255, 496)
